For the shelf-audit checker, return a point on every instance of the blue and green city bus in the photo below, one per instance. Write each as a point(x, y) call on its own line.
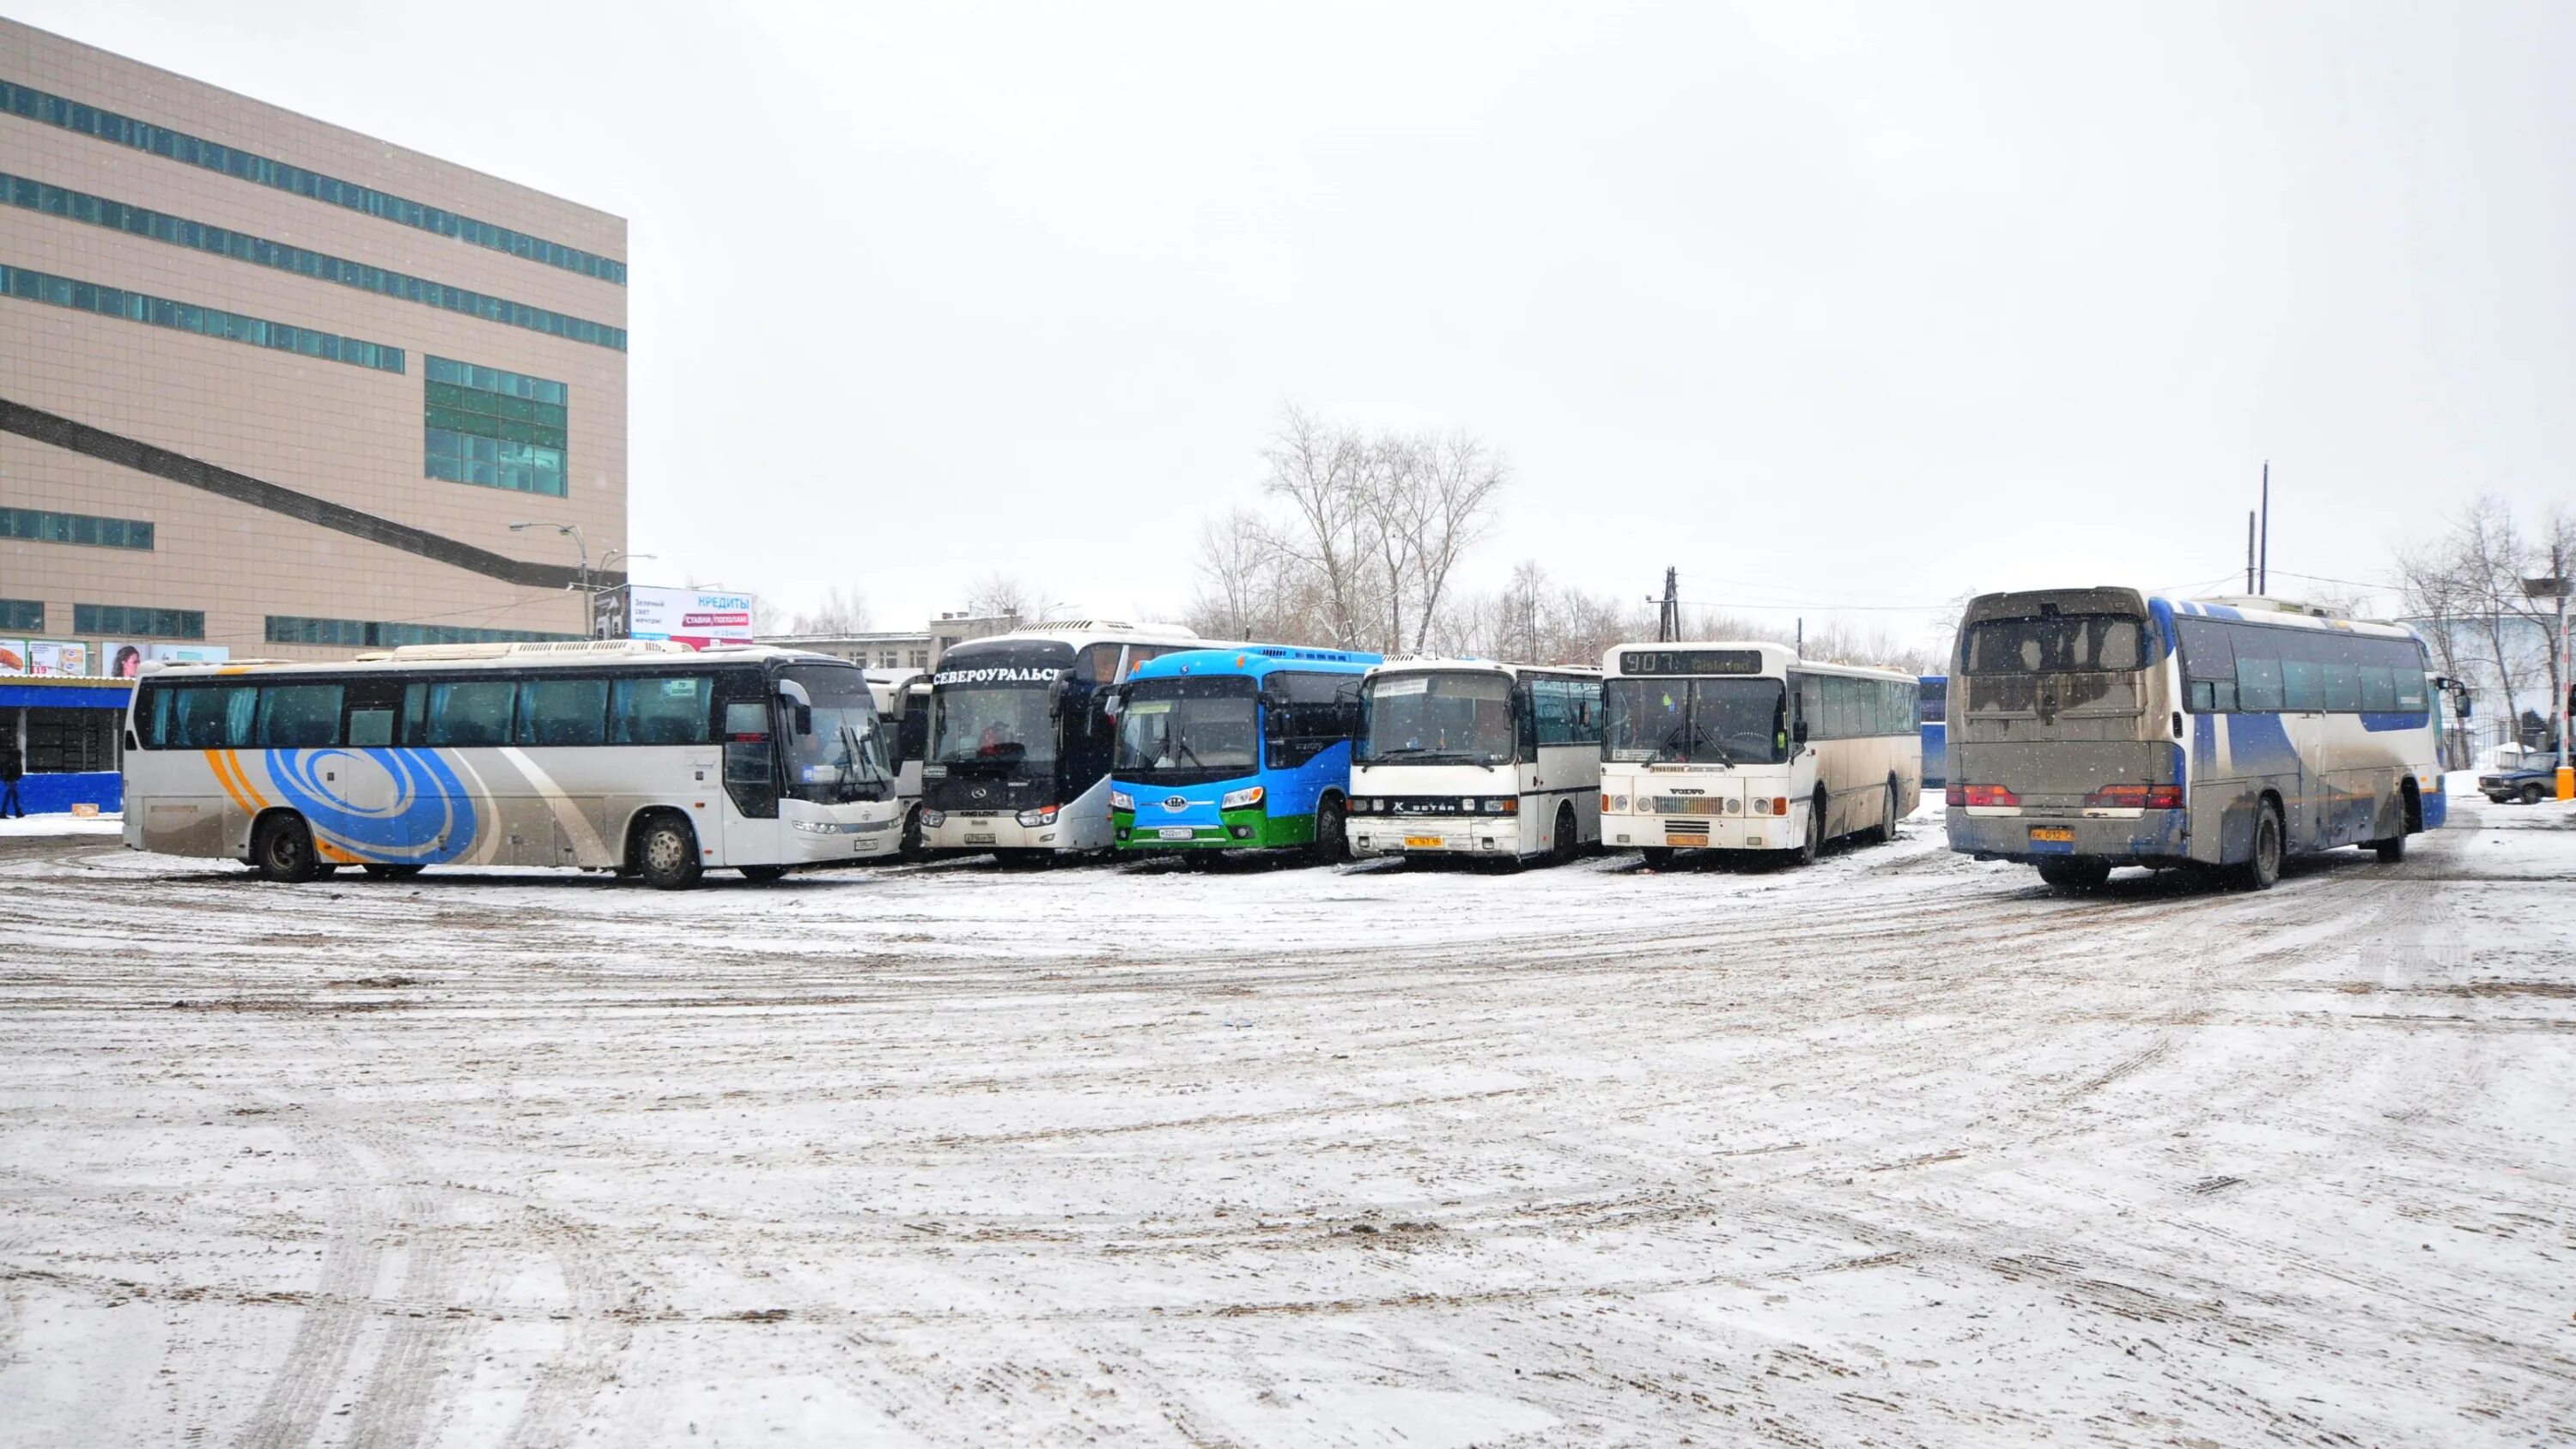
point(1237, 749)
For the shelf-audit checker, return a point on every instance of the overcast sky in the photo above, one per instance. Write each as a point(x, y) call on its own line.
point(1828, 306)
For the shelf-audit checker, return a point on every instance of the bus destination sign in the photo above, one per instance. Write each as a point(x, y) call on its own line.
point(1690, 661)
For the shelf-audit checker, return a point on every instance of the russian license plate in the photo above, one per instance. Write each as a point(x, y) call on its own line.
point(979, 840)
point(1176, 832)
point(2052, 838)
point(1422, 842)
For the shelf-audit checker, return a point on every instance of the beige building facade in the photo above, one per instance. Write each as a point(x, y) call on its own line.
point(274, 386)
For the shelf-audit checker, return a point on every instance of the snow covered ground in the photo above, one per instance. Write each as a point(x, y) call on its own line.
point(1899, 1149)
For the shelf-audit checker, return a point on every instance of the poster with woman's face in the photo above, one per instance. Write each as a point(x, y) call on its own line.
point(120, 658)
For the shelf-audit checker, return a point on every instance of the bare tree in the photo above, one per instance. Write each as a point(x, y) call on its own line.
point(1317, 471)
point(1007, 596)
point(841, 611)
point(1453, 483)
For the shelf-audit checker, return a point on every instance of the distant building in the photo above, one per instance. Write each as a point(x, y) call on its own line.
point(276, 387)
point(900, 648)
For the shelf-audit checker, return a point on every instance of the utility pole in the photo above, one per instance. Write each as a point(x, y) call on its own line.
point(2562, 708)
point(2249, 550)
point(1668, 615)
point(2263, 572)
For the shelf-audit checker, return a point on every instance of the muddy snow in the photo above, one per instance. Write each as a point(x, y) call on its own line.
point(1897, 1149)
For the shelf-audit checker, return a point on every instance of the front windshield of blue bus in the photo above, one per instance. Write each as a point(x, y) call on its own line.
point(1463, 718)
point(1695, 721)
point(1182, 731)
point(834, 754)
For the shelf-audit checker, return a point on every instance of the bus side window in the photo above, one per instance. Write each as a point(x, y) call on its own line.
point(1587, 711)
point(211, 717)
point(469, 713)
point(563, 710)
point(2258, 669)
point(659, 710)
point(1552, 709)
point(299, 716)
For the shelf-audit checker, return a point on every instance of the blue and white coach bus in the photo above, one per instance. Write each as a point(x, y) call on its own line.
point(1244, 748)
point(2097, 727)
point(643, 758)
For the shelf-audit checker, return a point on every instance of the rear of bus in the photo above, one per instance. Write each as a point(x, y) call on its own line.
point(2065, 738)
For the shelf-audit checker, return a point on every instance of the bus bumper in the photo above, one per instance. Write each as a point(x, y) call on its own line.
point(1496, 835)
point(2143, 837)
point(959, 832)
point(1707, 832)
point(1250, 828)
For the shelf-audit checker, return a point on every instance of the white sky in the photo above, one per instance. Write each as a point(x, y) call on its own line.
point(1826, 305)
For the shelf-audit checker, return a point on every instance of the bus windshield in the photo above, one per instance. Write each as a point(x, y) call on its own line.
point(2058, 644)
point(1204, 728)
point(1695, 721)
point(834, 754)
point(1436, 719)
point(997, 723)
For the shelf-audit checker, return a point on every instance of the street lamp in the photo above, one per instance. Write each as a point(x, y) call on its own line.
point(572, 530)
point(619, 555)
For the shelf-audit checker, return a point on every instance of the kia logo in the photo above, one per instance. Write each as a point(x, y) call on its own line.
point(1176, 802)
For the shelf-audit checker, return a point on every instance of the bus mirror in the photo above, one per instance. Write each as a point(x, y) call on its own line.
point(1113, 698)
point(795, 694)
point(1798, 732)
point(1059, 689)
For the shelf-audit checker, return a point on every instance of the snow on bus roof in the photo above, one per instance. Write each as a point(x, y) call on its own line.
point(524, 655)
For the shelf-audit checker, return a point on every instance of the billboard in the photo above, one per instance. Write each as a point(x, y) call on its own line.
point(57, 659)
point(700, 618)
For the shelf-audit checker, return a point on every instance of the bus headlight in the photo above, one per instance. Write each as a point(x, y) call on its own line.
point(1121, 800)
point(1510, 806)
point(1240, 799)
point(1618, 802)
point(1761, 805)
point(1042, 816)
point(934, 818)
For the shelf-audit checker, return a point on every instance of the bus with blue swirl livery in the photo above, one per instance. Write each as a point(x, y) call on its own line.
point(1242, 748)
point(2099, 727)
point(643, 758)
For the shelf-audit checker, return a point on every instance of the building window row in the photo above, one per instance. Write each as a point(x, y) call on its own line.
point(25, 616)
point(178, 146)
point(492, 428)
point(83, 528)
point(59, 201)
point(373, 634)
point(188, 317)
point(139, 620)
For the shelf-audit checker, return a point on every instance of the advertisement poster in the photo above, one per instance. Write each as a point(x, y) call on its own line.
point(121, 658)
point(13, 657)
point(688, 616)
point(57, 659)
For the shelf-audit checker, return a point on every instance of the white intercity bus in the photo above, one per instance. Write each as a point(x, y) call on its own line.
point(1466, 757)
point(1017, 760)
point(2104, 726)
point(902, 699)
point(643, 758)
point(1745, 746)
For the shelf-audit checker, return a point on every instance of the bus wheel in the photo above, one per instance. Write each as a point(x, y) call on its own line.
point(389, 870)
point(283, 849)
point(1887, 817)
point(761, 874)
point(1658, 857)
point(1569, 838)
point(2391, 850)
point(1814, 844)
point(2079, 874)
point(1332, 837)
point(666, 853)
point(2263, 865)
point(912, 850)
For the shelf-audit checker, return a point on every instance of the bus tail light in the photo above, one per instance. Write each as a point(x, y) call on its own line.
point(2136, 797)
point(1975, 796)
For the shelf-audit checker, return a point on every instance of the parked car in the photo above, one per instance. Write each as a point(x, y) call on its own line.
point(2530, 779)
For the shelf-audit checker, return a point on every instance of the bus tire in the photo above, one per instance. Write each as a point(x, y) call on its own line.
point(762, 874)
point(2390, 851)
point(1887, 815)
point(281, 848)
point(2410, 819)
point(389, 870)
point(1658, 857)
point(665, 852)
point(912, 850)
point(2262, 863)
point(1332, 843)
point(1814, 843)
point(2079, 873)
point(1569, 837)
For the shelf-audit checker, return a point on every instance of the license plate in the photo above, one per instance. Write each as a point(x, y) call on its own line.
point(1422, 842)
point(979, 840)
point(2054, 838)
point(1176, 832)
